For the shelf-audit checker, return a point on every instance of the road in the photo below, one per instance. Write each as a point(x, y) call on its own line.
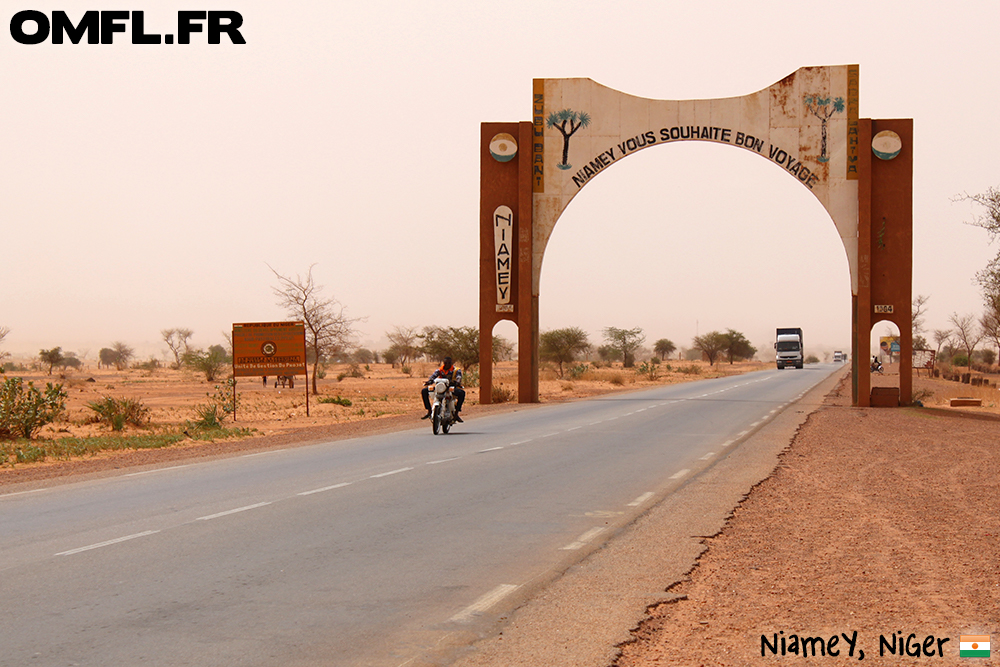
point(361, 552)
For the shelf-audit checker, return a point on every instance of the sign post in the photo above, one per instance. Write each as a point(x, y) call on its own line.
point(266, 348)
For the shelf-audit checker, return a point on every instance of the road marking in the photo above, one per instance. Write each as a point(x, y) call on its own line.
point(755, 424)
point(549, 435)
point(325, 488)
point(108, 543)
point(434, 463)
point(21, 493)
point(270, 451)
point(575, 428)
point(583, 539)
point(742, 433)
point(520, 442)
point(641, 499)
point(726, 443)
point(484, 603)
point(707, 456)
point(391, 472)
point(149, 472)
point(491, 449)
point(680, 473)
point(228, 512)
point(595, 423)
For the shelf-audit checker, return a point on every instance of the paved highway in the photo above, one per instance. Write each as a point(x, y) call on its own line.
point(360, 552)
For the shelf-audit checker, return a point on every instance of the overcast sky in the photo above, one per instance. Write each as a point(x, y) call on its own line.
point(144, 187)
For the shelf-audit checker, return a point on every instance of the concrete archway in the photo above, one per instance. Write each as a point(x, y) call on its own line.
point(807, 123)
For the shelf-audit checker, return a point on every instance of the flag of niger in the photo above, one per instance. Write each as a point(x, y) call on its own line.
point(974, 646)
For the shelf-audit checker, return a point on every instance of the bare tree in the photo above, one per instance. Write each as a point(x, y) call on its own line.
point(3, 334)
point(989, 324)
point(177, 341)
point(404, 342)
point(967, 332)
point(942, 337)
point(917, 313)
point(328, 330)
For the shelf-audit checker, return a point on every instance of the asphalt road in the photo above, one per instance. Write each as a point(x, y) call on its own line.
point(361, 552)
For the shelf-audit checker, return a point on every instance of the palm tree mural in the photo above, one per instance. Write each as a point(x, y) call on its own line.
point(820, 107)
point(567, 122)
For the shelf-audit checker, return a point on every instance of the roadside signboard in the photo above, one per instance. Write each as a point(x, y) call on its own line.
point(269, 348)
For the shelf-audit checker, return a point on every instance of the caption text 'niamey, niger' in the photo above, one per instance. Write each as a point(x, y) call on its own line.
point(99, 27)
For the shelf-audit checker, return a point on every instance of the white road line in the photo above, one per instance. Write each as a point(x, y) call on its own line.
point(707, 456)
point(325, 488)
point(108, 543)
point(595, 423)
point(391, 472)
point(641, 499)
point(680, 473)
point(726, 443)
point(575, 428)
point(434, 463)
point(149, 472)
point(21, 493)
point(755, 424)
point(583, 539)
point(549, 435)
point(270, 451)
point(491, 449)
point(228, 512)
point(742, 433)
point(484, 603)
point(520, 442)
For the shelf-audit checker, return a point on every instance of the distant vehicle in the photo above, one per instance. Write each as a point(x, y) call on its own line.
point(839, 357)
point(789, 348)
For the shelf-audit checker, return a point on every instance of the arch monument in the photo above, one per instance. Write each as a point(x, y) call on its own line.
point(808, 124)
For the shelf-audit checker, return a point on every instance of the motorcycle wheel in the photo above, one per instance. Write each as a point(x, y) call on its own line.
point(436, 420)
point(446, 425)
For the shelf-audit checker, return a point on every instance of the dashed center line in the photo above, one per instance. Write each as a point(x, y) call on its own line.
point(325, 488)
point(491, 449)
point(680, 473)
point(235, 511)
point(108, 543)
point(434, 463)
point(391, 472)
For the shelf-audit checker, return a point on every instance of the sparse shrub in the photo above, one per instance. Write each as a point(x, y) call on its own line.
point(470, 378)
point(647, 370)
point(578, 371)
point(812, 359)
point(407, 370)
point(501, 394)
point(346, 402)
point(617, 379)
point(960, 360)
point(689, 370)
point(24, 410)
point(116, 412)
point(567, 386)
point(224, 402)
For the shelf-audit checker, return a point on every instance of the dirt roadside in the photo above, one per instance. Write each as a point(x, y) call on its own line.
point(880, 522)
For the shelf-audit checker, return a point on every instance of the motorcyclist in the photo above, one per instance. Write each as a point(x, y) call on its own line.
point(454, 375)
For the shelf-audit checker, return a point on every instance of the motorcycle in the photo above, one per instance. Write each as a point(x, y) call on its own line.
point(443, 408)
point(876, 366)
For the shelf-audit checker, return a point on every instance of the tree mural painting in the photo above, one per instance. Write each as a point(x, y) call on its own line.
point(818, 106)
point(568, 122)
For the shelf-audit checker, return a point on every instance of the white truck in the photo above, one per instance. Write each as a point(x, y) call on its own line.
point(788, 349)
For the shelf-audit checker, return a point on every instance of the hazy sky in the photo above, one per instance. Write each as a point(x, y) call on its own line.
point(148, 186)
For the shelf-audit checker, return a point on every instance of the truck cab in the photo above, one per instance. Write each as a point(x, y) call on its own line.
point(788, 348)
